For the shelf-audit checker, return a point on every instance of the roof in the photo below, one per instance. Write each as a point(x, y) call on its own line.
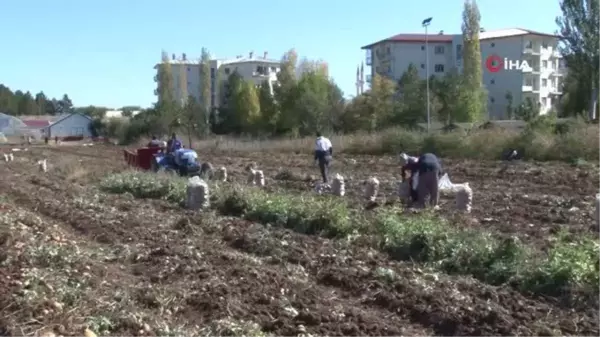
point(67, 116)
point(437, 38)
point(224, 61)
point(36, 123)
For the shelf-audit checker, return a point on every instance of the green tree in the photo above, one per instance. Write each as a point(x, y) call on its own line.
point(40, 101)
point(384, 106)
point(228, 121)
point(286, 91)
point(412, 99)
point(193, 119)
point(26, 105)
point(579, 27)
point(472, 71)
point(268, 108)
point(205, 85)
point(163, 116)
point(509, 106)
point(311, 109)
point(450, 97)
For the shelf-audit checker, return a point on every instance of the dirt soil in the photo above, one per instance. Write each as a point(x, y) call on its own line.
point(122, 266)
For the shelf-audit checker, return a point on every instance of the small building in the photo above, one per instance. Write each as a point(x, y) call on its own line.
point(71, 125)
point(36, 126)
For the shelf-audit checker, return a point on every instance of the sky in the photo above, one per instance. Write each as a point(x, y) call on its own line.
point(102, 52)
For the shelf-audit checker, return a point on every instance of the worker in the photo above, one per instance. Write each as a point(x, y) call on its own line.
point(154, 142)
point(425, 174)
point(173, 144)
point(323, 155)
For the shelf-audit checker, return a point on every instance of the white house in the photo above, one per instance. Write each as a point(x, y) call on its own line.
point(254, 68)
point(523, 62)
point(74, 124)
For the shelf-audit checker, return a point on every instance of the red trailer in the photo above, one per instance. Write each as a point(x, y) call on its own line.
point(142, 158)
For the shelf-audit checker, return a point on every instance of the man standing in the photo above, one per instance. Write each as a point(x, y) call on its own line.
point(173, 144)
point(323, 154)
point(428, 168)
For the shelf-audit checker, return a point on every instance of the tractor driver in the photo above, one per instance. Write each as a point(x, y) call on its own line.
point(173, 144)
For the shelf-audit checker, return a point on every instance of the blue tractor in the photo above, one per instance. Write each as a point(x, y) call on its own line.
point(183, 162)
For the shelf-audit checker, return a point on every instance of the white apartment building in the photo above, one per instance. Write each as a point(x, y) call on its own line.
point(539, 79)
point(252, 68)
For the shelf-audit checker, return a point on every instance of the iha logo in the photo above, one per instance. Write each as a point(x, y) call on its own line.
point(495, 63)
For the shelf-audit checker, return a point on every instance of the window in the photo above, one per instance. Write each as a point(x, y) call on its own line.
point(528, 44)
point(545, 45)
point(493, 82)
point(388, 50)
point(492, 99)
point(227, 71)
point(459, 52)
point(439, 50)
point(422, 47)
point(274, 69)
point(212, 72)
point(189, 69)
point(544, 64)
point(259, 69)
point(493, 45)
point(544, 83)
point(439, 68)
point(544, 101)
point(422, 65)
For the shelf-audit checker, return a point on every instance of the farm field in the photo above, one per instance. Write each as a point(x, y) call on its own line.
point(73, 256)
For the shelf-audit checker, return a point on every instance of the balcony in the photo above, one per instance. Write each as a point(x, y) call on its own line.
point(527, 88)
point(261, 74)
point(531, 51)
point(555, 91)
point(559, 72)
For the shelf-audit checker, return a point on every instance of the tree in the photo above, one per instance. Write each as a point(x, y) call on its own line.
point(26, 105)
point(383, 102)
point(268, 109)
point(509, 105)
point(205, 84)
point(193, 119)
point(95, 112)
point(228, 121)
point(580, 29)
point(285, 91)
point(162, 116)
point(40, 101)
point(472, 72)
point(65, 105)
point(311, 109)
point(412, 99)
point(450, 96)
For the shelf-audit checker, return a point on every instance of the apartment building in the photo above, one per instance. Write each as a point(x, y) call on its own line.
point(251, 68)
point(523, 62)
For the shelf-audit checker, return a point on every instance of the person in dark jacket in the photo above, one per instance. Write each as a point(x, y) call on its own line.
point(154, 142)
point(429, 169)
point(323, 154)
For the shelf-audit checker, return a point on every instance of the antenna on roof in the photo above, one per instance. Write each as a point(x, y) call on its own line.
point(481, 30)
point(441, 32)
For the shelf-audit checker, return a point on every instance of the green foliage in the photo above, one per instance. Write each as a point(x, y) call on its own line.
point(569, 265)
point(476, 97)
point(21, 103)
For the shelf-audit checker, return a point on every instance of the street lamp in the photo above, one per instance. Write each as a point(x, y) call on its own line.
point(425, 24)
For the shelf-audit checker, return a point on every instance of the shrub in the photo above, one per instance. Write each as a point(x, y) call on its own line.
point(568, 265)
point(544, 138)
